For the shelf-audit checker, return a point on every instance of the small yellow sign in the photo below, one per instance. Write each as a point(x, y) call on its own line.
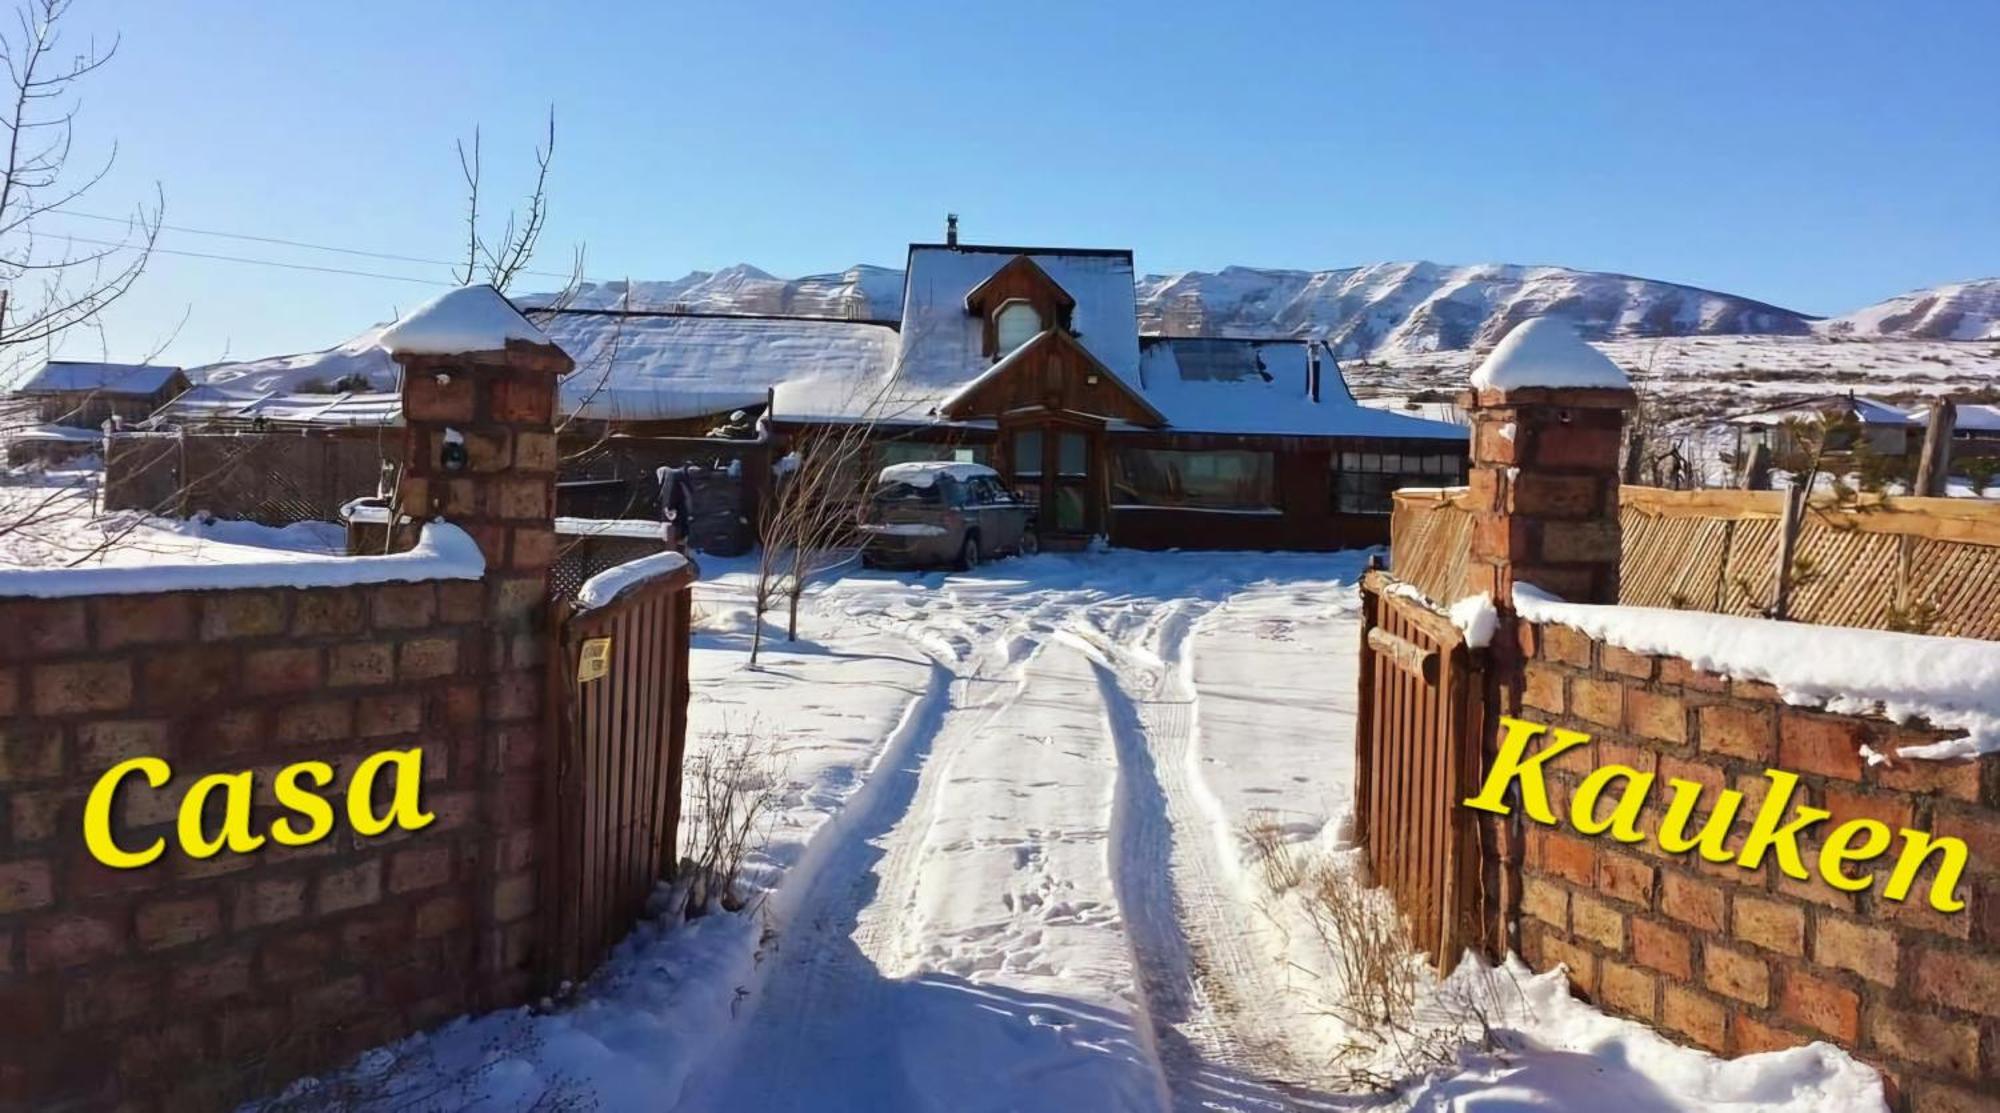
point(594, 663)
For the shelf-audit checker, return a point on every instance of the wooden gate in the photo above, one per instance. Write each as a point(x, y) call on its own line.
point(1417, 731)
point(618, 703)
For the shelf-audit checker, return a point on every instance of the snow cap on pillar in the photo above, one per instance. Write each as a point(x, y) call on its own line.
point(468, 319)
point(1546, 353)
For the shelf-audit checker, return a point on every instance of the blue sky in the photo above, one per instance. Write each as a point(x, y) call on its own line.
point(1820, 156)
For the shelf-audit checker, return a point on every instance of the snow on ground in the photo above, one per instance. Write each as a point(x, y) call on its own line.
point(51, 521)
point(1006, 872)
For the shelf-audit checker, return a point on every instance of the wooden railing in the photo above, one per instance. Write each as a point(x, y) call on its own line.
point(1925, 564)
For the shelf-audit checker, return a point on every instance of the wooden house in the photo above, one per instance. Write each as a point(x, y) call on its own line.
point(86, 395)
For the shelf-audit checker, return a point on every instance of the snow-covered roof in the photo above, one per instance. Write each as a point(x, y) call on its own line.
point(1971, 418)
point(216, 402)
point(362, 355)
point(941, 342)
point(468, 319)
point(1546, 352)
point(1263, 386)
point(62, 375)
point(641, 367)
point(1867, 411)
point(924, 473)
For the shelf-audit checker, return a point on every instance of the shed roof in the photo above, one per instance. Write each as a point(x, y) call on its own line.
point(64, 376)
point(1867, 411)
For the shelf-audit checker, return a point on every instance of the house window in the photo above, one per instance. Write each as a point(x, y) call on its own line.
point(903, 452)
point(1364, 481)
point(1028, 453)
point(1228, 479)
point(1015, 325)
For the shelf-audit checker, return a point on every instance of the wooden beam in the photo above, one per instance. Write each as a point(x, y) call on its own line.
point(1934, 465)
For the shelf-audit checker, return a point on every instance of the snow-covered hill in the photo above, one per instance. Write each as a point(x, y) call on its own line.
point(1388, 308)
point(1383, 309)
point(1955, 311)
point(859, 293)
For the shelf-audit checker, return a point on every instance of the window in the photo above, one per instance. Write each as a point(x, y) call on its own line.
point(903, 452)
point(1364, 481)
point(1028, 453)
point(1015, 325)
point(1228, 479)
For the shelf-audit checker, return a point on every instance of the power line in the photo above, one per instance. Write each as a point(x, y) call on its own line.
point(264, 262)
point(280, 241)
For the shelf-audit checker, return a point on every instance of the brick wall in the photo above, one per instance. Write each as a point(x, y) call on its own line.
point(191, 983)
point(1741, 961)
point(115, 982)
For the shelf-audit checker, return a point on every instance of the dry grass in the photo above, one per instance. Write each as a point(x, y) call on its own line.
point(733, 786)
point(1399, 1023)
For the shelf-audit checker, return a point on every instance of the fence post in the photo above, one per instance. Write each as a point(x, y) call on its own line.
point(479, 450)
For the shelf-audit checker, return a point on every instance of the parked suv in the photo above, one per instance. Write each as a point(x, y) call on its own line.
point(939, 512)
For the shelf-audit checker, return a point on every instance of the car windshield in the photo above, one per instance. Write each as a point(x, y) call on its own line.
point(908, 494)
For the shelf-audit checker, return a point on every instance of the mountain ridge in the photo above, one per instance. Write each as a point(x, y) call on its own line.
point(1373, 309)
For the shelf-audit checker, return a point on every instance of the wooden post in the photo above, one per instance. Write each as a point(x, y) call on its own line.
point(1935, 465)
point(1788, 536)
point(1757, 471)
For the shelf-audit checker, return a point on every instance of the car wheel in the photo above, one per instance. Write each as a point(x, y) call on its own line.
point(968, 553)
point(1029, 545)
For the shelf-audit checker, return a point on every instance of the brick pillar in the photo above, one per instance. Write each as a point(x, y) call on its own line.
point(500, 406)
point(1544, 490)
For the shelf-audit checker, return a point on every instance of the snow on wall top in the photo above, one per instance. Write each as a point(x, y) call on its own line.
point(1262, 386)
point(940, 349)
point(442, 552)
point(1952, 682)
point(1546, 352)
point(661, 367)
point(105, 378)
point(468, 319)
point(602, 588)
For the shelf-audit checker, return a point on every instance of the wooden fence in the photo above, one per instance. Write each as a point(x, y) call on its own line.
point(273, 478)
point(618, 709)
point(1924, 564)
point(1417, 738)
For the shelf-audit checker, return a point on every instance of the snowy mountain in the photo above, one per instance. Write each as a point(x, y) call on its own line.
point(1425, 307)
point(1956, 311)
point(1383, 309)
point(860, 293)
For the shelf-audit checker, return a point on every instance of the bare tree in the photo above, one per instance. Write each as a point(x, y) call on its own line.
point(49, 285)
point(810, 522)
point(502, 258)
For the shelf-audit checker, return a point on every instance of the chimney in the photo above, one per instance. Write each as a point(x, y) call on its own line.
point(1312, 369)
point(951, 229)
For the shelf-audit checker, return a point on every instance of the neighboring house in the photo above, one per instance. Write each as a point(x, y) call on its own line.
point(86, 395)
point(1975, 429)
point(1026, 359)
point(1888, 431)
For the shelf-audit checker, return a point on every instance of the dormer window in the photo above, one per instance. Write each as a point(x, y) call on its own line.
point(1015, 325)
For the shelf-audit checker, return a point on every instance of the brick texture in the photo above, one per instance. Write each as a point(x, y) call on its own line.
point(1742, 961)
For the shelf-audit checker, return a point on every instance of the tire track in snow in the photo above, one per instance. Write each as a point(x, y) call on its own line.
point(1215, 1009)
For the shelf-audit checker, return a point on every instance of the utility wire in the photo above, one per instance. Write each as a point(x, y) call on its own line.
point(263, 262)
point(289, 243)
